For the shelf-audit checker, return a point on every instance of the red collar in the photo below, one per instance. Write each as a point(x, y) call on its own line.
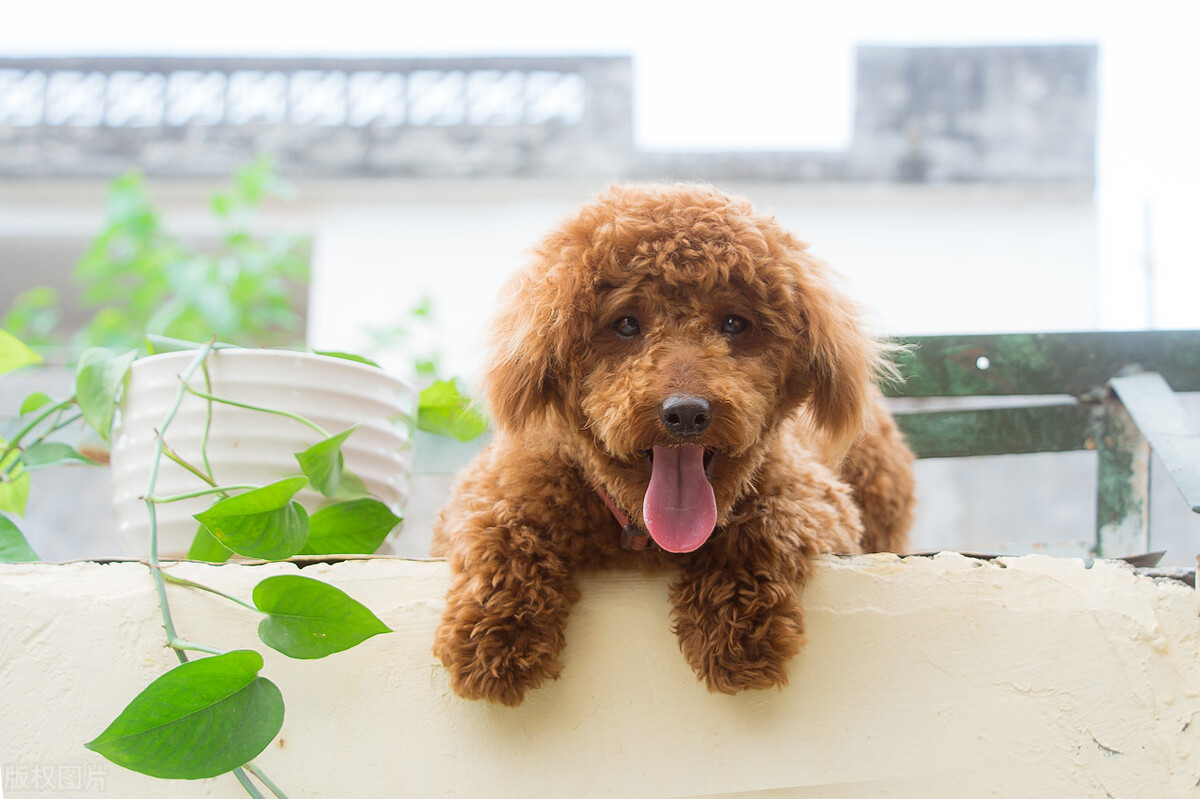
point(632, 536)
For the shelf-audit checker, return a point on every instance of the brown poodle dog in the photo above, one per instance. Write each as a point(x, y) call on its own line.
point(674, 364)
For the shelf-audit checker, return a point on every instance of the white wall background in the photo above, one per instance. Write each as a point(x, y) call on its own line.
point(921, 259)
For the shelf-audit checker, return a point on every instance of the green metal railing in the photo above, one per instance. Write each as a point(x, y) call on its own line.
point(1112, 392)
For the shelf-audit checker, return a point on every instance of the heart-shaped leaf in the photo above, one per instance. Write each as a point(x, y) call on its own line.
point(351, 487)
point(356, 527)
point(201, 719)
point(34, 401)
point(14, 354)
point(307, 618)
point(99, 374)
point(206, 547)
point(261, 523)
point(52, 453)
point(322, 462)
point(13, 546)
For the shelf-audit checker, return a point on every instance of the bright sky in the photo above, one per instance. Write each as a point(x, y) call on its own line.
point(740, 75)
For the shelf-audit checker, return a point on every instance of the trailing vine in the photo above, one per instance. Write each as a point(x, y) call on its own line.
point(214, 714)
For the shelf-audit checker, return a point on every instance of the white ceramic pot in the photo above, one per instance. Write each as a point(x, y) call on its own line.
point(251, 447)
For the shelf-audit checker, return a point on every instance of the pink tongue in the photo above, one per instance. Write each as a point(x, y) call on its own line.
point(680, 508)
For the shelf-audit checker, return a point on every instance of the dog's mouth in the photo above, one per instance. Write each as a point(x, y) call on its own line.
point(680, 508)
point(709, 454)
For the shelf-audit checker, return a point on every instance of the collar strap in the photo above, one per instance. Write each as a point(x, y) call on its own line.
point(632, 536)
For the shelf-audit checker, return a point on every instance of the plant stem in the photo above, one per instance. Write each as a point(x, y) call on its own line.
point(180, 581)
point(207, 425)
point(41, 417)
point(211, 398)
point(178, 644)
point(59, 425)
point(247, 784)
point(14, 445)
point(160, 585)
point(257, 772)
point(174, 456)
point(9, 466)
point(199, 493)
point(10, 462)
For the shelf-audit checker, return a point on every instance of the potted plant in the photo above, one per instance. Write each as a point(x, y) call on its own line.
point(193, 423)
point(213, 715)
point(336, 427)
point(253, 417)
point(138, 278)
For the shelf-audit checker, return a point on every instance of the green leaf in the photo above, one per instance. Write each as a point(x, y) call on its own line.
point(356, 527)
point(14, 493)
point(424, 308)
point(13, 546)
point(307, 618)
point(34, 401)
point(201, 719)
point(262, 523)
point(444, 410)
point(269, 497)
point(52, 453)
point(221, 204)
point(206, 547)
point(33, 315)
point(347, 356)
point(322, 462)
point(156, 344)
point(14, 482)
point(14, 354)
point(99, 374)
point(351, 487)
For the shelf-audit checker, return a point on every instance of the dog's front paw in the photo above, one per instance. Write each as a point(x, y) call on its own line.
point(497, 655)
point(738, 631)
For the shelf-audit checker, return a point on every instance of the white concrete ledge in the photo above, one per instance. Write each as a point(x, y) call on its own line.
point(922, 677)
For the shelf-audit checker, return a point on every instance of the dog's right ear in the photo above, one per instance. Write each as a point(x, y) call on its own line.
point(539, 325)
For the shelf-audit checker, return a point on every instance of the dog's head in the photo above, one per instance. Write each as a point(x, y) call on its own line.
point(667, 331)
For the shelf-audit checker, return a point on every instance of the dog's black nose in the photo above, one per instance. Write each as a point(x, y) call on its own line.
point(685, 414)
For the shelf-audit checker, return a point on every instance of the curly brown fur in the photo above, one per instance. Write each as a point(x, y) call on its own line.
point(801, 456)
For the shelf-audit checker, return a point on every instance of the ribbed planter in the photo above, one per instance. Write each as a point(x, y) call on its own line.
point(251, 447)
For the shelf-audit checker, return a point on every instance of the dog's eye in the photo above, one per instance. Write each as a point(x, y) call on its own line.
point(626, 327)
point(733, 325)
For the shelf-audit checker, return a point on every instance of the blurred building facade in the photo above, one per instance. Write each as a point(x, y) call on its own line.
point(964, 202)
point(968, 180)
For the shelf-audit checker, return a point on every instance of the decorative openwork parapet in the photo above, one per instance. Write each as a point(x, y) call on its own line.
point(421, 117)
point(924, 114)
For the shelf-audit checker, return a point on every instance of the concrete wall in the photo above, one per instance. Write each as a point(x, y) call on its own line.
point(977, 113)
point(943, 677)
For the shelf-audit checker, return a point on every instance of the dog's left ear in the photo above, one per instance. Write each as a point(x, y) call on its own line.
point(834, 361)
point(539, 324)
